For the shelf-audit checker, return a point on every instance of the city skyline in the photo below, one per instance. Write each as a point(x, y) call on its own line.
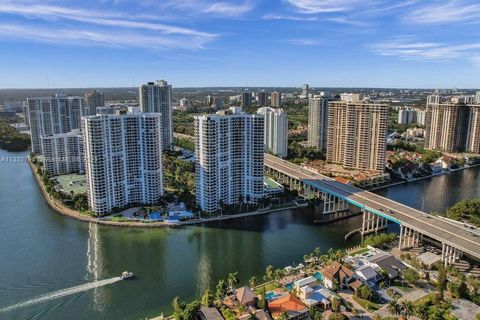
point(345, 43)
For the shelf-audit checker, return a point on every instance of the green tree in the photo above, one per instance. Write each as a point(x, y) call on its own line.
point(263, 303)
point(178, 306)
point(422, 311)
point(252, 282)
point(393, 307)
point(207, 298)
point(220, 290)
point(407, 308)
point(315, 313)
point(335, 305)
point(283, 316)
point(269, 273)
point(232, 280)
point(364, 292)
point(191, 310)
point(411, 276)
point(441, 280)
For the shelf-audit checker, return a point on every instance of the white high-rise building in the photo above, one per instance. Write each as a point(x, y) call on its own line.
point(156, 97)
point(63, 153)
point(276, 131)
point(229, 158)
point(318, 122)
point(53, 115)
point(123, 160)
point(477, 97)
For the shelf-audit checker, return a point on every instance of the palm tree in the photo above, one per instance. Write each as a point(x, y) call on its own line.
point(232, 280)
point(421, 311)
point(252, 282)
point(221, 204)
point(247, 199)
point(393, 307)
point(407, 308)
point(240, 202)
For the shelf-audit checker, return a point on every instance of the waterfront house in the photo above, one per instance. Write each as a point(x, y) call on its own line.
point(388, 263)
point(290, 304)
point(206, 313)
point(315, 295)
point(367, 275)
point(245, 296)
point(308, 281)
point(336, 274)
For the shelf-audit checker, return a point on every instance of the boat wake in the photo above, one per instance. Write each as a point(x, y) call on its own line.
point(62, 293)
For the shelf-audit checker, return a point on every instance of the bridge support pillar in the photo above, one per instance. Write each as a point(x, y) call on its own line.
point(372, 223)
point(450, 254)
point(333, 204)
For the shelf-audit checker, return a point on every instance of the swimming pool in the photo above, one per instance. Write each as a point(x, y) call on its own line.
point(289, 286)
point(318, 275)
point(270, 295)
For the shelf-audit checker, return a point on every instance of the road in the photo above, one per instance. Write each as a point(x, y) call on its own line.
point(441, 230)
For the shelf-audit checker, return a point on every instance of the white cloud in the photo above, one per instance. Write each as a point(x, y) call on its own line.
point(303, 42)
point(116, 28)
point(289, 17)
point(228, 9)
point(409, 49)
point(102, 38)
point(321, 6)
point(197, 7)
point(451, 11)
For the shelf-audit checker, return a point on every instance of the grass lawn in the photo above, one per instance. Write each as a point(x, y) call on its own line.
point(368, 305)
point(359, 251)
point(268, 287)
point(72, 182)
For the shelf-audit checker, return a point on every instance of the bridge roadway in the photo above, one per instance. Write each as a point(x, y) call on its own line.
point(441, 230)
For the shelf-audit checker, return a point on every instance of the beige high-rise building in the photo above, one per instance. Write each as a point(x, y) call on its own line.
point(276, 99)
point(452, 125)
point(357, 134)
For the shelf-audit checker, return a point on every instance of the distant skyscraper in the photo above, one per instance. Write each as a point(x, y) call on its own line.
point(452, 125)
point(229, 158)
point(406, 116)
point(276, 99)
point(53, 115)
point(246, 99)
point(210, 100)
point(262, 99)
point(123, 160)
point(63, 153)
point(318, 122)
point(351, 97)
point(93, 99)
point(357, 134)
point(305, 90)
point(156, 97)
point(477, 97)
point(276, 131)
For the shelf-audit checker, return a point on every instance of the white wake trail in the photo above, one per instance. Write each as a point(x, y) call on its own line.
point(63, 293)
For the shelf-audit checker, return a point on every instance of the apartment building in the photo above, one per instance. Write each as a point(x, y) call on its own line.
point(275, 131)
point(357, 135)
point(229, 158)
point(156, 97)
point(452, 124)
point(123, 159)
point(93, 100)
point(318, 121)
point(63, 153)
point(53, 115)
point(276, 99)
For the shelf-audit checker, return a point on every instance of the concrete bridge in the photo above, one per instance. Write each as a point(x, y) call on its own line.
point(416, 226)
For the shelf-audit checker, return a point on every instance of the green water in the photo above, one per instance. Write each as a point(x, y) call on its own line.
point(41, 251)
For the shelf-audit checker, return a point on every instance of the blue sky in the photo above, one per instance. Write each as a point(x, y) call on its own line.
point(359, 43)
